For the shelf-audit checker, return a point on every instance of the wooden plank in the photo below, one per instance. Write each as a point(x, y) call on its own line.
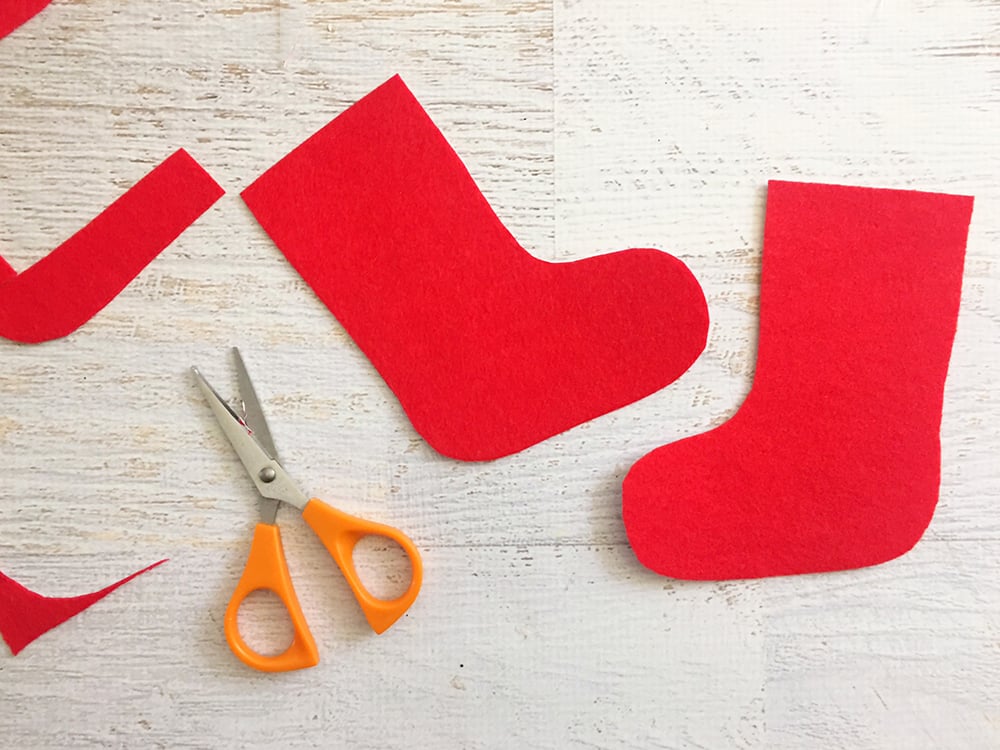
point(590, 127)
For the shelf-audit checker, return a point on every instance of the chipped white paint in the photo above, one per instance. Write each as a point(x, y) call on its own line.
point(590, 126)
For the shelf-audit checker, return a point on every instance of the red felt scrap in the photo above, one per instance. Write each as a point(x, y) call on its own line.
point(75, 281)
point(13, 13)
point(489, 349)
point(833, 461)
point(25, 615)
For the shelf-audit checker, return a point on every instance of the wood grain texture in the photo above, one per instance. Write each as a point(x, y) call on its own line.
point(590, 126)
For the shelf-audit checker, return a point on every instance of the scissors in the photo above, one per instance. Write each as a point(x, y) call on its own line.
point(266, 567)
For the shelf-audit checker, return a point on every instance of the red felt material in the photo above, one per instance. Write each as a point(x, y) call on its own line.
point(489, 349)
point(25, 615)
point(75, 281)
point(13, 13)
point(833, 461)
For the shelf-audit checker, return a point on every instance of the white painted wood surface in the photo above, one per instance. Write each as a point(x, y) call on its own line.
point(591, 126)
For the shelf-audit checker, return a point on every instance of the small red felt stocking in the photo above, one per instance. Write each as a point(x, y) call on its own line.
point(488, 349)
point(833, 461)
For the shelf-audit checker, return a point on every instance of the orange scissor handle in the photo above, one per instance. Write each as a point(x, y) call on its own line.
point(339, 532)
point(266, 569)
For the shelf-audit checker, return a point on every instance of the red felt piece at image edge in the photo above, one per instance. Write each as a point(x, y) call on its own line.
point(13, 13)
point(79, 278)
point(25, 615)
point(488, 349)
point(833, 461)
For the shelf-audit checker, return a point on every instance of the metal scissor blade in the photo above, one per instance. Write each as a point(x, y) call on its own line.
point(268, 476)
point(253, 414)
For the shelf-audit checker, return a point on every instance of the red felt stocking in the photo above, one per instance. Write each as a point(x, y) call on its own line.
point(488, 349)
point(833, 461)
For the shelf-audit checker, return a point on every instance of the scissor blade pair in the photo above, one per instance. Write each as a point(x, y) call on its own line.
point(253, 414)
point(268, 476)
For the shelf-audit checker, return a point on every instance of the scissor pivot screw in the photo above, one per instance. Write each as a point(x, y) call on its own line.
point(267, 475)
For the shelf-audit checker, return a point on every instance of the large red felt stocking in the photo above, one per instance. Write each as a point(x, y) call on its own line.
point(488, 348)
point(833, 461)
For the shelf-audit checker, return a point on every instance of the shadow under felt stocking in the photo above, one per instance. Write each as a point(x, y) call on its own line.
point(833, 461)
point(489, 349)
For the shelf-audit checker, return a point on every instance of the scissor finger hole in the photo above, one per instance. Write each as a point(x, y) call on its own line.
point(382, 566)
point(264, 623)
